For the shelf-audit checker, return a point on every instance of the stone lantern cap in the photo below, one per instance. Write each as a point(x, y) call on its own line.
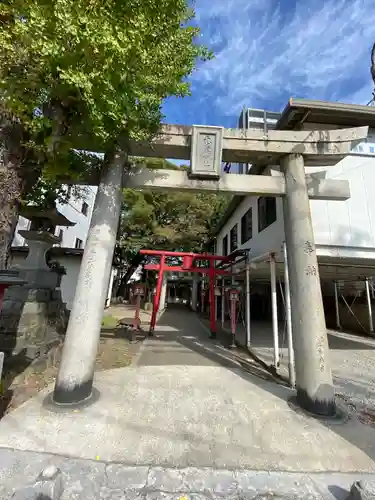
point(41, 236)
point(51, 214)
point(9, 277)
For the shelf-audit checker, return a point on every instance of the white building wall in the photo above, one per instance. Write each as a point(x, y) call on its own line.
point(271, 238)
point(349, 223)
point(23, 224)
point(73, 212)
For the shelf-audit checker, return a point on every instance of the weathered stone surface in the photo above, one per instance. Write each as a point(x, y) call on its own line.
point(31, 317)
point(131, 478)
point(21, 478)
point(160, 495)
point(49, 486)
point(163, 479)
point(110, 494)
point(362, 490)
point(82, 479)
point(28, 494)
point(208, 479)
point(251, 484)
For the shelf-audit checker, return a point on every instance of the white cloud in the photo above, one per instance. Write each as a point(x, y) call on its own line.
point(268, 50)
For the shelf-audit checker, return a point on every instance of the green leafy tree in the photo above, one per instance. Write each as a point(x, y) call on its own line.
point(83, 75)
point(171, 221)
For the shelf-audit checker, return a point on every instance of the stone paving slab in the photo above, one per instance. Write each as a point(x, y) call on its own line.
point(97, 480)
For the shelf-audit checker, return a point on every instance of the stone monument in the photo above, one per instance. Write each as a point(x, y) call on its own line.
point(34, 318)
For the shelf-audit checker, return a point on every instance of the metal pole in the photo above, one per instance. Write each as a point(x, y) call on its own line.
point(248, 315)
point(275, 326)
point(337, 307)
point(194, 293)
point(157, 296)
point(216, 301)
point(370, 322)
point(212, 299)
point(223, 303)
point(288, 313)
point(233, 310)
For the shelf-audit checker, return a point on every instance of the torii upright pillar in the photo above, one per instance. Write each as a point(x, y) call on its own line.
point(315, 390)
point(74, 381)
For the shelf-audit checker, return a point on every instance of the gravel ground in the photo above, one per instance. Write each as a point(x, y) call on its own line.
point(115, 351)
point(354, 378)
point(21, 381)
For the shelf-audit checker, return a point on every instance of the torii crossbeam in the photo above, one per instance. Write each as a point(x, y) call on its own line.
point(207, 148)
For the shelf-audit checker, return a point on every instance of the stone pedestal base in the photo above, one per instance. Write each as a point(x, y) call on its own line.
point(33, 318)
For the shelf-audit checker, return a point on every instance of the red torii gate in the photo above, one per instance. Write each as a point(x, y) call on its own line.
point(187, 266)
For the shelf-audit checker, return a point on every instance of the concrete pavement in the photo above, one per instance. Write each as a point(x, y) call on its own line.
point(186, 402)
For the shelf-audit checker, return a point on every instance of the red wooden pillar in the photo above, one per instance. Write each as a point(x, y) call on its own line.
point(212, 299)
point(157, 295)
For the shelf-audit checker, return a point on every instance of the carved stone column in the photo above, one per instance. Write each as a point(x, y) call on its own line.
point(75, 378)
point(315, 391)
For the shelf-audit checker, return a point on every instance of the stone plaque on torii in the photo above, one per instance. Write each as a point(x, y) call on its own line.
point(207, 148)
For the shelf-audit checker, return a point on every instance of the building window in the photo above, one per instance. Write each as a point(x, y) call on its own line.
point(225, 245)
point(233, 239)
point(85, 208)
point(266, 212)
point(247, 226)
point(79, 243)
point(214, 245)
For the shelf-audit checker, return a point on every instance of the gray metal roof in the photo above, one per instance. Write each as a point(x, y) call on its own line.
point(330, 113)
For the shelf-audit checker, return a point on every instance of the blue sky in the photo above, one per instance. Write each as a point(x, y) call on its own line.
point(267, 51)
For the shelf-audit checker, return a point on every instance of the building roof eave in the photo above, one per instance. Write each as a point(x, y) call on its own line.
point(324, 112)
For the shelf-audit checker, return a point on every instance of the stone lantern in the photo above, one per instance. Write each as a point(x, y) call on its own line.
point(34, 317)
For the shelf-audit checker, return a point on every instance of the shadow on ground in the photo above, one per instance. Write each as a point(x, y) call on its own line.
point(262, 337)
point(198, 349)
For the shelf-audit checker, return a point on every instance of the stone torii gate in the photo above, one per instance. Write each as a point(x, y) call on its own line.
point(207, 147)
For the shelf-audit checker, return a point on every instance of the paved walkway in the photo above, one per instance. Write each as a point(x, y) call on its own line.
point(186, 403)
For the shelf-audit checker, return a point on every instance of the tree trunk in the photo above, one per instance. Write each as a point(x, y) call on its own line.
point(10, 192)
point(11, 237)
point(11, 152)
